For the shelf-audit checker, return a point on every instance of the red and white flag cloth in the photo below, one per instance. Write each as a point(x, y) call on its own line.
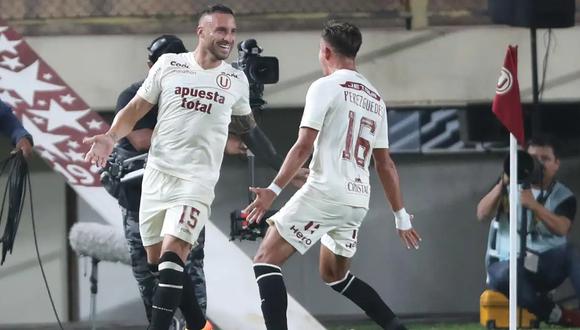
point(507, 105)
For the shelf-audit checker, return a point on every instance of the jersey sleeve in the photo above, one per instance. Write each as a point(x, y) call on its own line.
point(318, 100)
point(151, 88)
point(382, 138)
point(242, 105)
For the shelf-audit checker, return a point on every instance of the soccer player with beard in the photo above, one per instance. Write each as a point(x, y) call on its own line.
point(198, 94)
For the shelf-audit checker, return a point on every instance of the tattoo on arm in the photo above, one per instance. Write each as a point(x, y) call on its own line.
point(113, 136)
point(242, 124)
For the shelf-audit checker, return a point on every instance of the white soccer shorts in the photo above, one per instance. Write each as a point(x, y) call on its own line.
point(167, 209)
point(303, 221)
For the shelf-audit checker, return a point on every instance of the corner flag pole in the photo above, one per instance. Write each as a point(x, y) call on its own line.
point(513, 216)
point(507, 107)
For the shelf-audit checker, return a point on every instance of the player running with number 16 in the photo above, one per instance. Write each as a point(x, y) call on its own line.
point(344, 122)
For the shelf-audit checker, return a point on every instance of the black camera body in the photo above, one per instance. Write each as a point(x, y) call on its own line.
point(530, 169)
point(240, 229)
point(111, 174)
point(259, 70)
point(119, 164)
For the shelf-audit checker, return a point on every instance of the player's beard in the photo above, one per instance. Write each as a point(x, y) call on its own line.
point(218, 52)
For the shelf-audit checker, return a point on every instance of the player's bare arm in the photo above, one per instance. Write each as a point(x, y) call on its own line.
point(389, 177)
point(242, 124)
point(294, 161)
point(261, 146)
point(102, 145)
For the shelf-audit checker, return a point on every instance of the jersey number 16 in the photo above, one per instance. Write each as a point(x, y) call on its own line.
point(362, 145)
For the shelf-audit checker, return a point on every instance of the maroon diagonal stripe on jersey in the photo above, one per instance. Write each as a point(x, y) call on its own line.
point(57, 118)
point(361, 87)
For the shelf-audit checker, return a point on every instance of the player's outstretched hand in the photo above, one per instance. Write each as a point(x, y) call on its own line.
point(410, 238)
point(262, 203)
point(101, 147)
point(300, 178)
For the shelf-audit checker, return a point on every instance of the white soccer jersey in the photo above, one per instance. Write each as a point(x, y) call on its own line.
point(352, 121)
point(195, 108)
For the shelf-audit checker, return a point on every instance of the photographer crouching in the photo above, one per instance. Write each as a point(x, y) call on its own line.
point(550, 258)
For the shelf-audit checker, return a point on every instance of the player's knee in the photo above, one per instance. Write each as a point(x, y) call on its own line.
point(262, 257)
point(177, 246)
point(330, 275)
point(153, 253)
point(153, 259)
point(339, 284)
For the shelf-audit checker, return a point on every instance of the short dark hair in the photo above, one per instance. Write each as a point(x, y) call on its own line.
point(167, 43)
point(545, 140)
point(217, 8)
point(344, 38)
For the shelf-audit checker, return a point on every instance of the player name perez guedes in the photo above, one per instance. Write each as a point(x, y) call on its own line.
point(194, 99)
point(365, 103)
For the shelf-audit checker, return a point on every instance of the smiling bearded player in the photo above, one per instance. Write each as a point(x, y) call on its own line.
point(198, 95)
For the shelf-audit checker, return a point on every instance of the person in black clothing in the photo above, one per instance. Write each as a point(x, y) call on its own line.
point(12, 128)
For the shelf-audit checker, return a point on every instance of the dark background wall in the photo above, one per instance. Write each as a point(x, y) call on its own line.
point(446, 275)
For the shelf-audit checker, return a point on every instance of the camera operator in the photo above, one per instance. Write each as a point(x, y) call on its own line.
point(549, 258)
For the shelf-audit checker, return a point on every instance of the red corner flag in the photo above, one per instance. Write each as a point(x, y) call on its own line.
point(506, 103)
